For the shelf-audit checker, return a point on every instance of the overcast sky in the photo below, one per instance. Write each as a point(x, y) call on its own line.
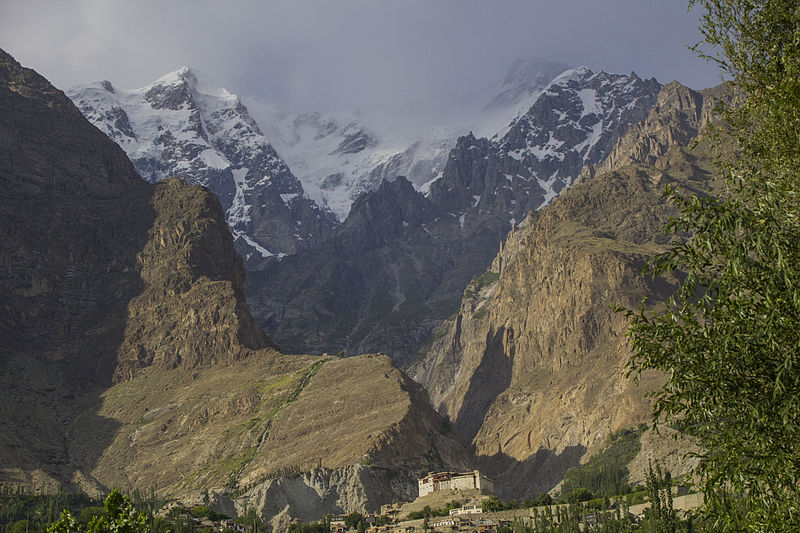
point(333, 55)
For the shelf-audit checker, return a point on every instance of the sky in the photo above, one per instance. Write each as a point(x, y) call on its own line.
point(404, 56)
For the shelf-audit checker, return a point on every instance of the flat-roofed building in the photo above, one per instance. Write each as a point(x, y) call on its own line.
point(467, 508)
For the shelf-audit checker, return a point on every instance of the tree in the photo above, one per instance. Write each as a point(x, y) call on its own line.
point(729, 339)
point(21, 526)
point(661, 514)
point(351, 521)
point(119, 516)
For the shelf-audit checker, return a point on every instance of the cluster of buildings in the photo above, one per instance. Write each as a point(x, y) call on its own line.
point(470, 516)
point(463, 518)
point(455, 523)
point(446, 523)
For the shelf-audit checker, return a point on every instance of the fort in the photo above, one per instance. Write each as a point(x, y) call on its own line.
point(438, 481)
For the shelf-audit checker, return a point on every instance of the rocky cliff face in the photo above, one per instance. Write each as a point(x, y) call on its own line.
point(532, 367)
point(191, 310)
point(129, 357)
point(398, 264)
point(376, 283)
point(73, 210)
point(177, 127)
point(574, 122)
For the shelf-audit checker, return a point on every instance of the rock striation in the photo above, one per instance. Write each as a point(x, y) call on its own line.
point(532, 367)
point(191, 310)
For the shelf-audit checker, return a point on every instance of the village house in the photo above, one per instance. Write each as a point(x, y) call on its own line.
point(467, 508)
point(337, 524)
point(439, 523)
point(380, 529)
point(486, 526)
point(450, 523)
point(438, 481)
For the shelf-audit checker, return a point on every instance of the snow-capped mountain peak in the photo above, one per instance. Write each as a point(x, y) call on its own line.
point(180, 125)
point(573, 121)
point(181, 76)
point(545, 123)
point(339, 157)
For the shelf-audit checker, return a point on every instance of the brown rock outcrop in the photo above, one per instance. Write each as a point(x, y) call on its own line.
point(191, 310)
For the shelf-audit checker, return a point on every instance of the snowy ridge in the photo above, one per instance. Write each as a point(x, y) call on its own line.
point(181, 126)
point(184, 125)
point(544, 124)
point(572, 122)
point(340, 157)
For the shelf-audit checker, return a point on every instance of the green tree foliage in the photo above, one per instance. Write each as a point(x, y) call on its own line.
point(543, 499)
point(119, 516)
point(351, 521)
point(730, 338)
point(382, 520)
point(606, 473)
point(577, 495)
point(22, 526)
point(661, 515)
point(35, 511)
point(250, 520)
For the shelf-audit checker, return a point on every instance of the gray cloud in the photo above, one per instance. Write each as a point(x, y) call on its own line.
point(409, 56)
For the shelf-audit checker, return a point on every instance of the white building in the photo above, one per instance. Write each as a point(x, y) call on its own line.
point(437, 481)
point(467, 508)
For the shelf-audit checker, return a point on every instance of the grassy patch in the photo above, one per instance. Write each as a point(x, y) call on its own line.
point(267, 389)
point(487, 278)
point(243, 427)
point(234, 466)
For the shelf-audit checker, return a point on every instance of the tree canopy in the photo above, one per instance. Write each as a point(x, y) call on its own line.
point(729, 339)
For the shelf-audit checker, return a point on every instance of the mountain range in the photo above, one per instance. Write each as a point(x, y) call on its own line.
point(396, 267)
point(130, 356)
point(533, 367)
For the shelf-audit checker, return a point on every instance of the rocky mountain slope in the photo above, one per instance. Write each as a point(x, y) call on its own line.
point(129, 357)
point(177, 126)
point(532, 367)
point(398, 264)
